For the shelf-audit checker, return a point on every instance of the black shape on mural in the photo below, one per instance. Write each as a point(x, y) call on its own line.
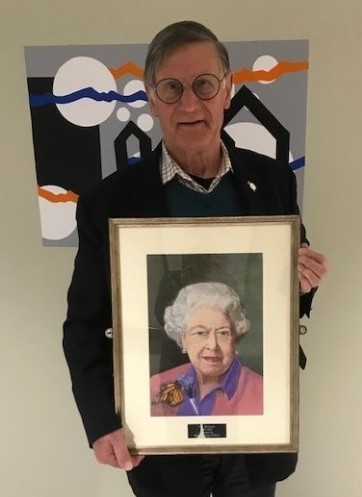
point(120, 143)
point(246, 98)
point(66, 155)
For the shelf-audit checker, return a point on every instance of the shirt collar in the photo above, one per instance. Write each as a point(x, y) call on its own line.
point(169, 169)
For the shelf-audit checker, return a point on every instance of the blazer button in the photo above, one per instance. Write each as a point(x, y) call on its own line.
point(109, 333)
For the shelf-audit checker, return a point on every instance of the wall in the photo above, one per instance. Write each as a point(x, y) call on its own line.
point(43, 448)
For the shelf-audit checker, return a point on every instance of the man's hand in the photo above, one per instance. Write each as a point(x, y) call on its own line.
point(312, 268)
point(112, 449)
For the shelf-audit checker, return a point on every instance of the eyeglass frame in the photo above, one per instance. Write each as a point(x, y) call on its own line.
point(182, 86)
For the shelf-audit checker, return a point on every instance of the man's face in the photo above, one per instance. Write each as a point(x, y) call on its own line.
point(191, 124)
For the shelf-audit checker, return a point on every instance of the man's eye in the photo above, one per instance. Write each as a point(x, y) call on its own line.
point(171, 86)
point(203, 83)
point(204, 86)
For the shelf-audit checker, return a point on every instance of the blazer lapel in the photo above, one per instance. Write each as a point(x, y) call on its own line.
point(150, 198)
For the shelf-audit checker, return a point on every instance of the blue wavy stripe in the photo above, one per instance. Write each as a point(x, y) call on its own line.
point(133, 160)
point(297, 164)
point(50, 98)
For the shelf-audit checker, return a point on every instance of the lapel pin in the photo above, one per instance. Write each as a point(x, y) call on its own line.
point(252, 186)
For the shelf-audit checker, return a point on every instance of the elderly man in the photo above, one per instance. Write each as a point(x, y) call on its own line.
point(191, 173)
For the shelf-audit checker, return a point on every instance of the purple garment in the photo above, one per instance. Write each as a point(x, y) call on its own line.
point(192, 406)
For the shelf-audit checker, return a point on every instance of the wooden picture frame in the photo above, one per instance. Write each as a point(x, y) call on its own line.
point(151, 260)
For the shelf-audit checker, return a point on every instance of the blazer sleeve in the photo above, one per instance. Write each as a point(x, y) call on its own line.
point(305, 301)
point(87, 350)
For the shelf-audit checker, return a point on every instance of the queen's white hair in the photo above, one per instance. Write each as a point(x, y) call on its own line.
point(207, 294)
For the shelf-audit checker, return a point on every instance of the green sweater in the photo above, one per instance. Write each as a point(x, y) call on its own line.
point(222, 201)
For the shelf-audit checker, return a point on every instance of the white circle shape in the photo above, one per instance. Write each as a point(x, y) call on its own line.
point(254, 136)
point(132, 87)
point(265, 63)
point(77, 74)
point(57, 218)
point(123, 114)
point(145, 122)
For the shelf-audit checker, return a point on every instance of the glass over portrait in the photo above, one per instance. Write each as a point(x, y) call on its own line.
point(206, 343)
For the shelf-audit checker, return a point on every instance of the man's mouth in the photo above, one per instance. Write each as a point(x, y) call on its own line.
point(191, 123)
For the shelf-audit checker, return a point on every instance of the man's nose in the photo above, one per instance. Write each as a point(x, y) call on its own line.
point(189, 100)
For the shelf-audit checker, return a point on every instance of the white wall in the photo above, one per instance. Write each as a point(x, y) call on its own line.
point(43, 449)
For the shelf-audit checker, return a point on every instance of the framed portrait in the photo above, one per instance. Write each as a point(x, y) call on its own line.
point(205, 333)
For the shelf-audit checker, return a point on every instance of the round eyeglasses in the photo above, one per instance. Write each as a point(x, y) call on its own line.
point(205, 86)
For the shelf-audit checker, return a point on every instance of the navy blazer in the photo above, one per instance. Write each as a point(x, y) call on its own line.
point(137, 191)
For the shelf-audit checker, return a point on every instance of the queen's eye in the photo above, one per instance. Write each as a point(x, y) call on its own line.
point(224, 333)
point(201, 333)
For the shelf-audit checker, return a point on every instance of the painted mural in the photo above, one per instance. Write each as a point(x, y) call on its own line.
point(90, 116)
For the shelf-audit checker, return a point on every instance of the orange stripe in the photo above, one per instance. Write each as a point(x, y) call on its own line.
point(128, 67)
point(283, 67)
point(245, 74)
point(58, 197)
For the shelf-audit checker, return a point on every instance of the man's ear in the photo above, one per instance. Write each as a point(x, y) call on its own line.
point(151, 100)
point(229, 87)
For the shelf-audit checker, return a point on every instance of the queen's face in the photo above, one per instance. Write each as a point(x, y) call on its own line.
point(210, 342)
